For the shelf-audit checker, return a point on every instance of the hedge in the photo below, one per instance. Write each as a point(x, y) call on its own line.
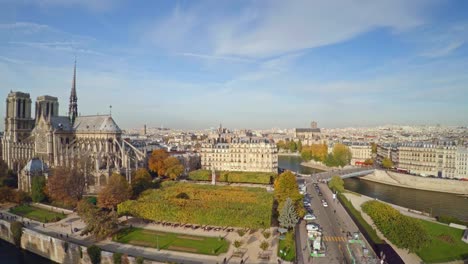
point(403, 231)
point(234, 176)
point(203, 205)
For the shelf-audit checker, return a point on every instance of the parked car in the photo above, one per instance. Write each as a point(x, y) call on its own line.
point(325, 204)
point(312, 227)
point(307, 204)
point(309, 217)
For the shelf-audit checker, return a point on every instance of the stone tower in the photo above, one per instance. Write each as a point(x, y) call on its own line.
point(18, 121)
point(73, 107)
point(46, 105)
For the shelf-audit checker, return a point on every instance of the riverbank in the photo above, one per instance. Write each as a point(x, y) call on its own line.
point(316, 165)
point(289, 154)
point(419, 183)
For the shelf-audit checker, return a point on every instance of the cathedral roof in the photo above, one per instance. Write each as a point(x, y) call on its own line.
point(61, 123)
point(101, 123)
point(35, 165)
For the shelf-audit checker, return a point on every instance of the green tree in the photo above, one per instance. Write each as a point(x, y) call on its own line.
point(306, 154)
point(299, 146)
point(337, 184)
point(117, 258)
point(99, 222)
point(94, 253)
point(116, 191)
point(292, 146)
point(264, 245)
point(369, 162)
point(281, 144)
point(288, 217)
point(141, 181)
point(37, 189)
point(16, 229)
point(387, 163)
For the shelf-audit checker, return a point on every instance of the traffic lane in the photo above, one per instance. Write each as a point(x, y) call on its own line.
point(333, 253)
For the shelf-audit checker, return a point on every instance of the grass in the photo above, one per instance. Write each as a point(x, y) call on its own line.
point(291, 252)
point(233, 176)
point(172, 241)
point(357, 215)
point(38, 214)
point(204, 205)
point(445, 245)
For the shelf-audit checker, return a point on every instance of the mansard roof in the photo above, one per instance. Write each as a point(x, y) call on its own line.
point(99, 123)
point(35, 166)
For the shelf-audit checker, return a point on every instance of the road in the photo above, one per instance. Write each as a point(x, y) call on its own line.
point(335, 223)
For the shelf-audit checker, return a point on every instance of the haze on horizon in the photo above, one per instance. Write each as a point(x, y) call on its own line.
point(259, 64)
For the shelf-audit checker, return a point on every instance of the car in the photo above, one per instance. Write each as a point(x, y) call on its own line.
point(325, 204)
point(320, 194)
point(312, 227)
point(309, 210)
point(309, 217)
point(307, 204)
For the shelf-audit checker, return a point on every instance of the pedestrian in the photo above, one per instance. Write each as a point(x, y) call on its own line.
point(224, 261)
point(334, 211)
point(43, 225)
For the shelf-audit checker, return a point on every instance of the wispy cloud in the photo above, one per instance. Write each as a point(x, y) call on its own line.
point(443, 51)
point(214, 57)
point(65, 46)
point(24, 27)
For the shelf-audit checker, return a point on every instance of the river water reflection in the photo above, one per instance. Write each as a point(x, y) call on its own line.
point(438, 203)
point(9, 254)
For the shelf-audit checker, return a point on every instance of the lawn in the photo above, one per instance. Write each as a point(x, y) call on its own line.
point(38, 214)
point(357, 215)
point(288, 247)
point(233, 176)
point(445, 245)
point(204, 205)
point(172, 241)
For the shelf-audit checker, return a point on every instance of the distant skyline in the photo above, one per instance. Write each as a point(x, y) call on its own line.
point(245, 64)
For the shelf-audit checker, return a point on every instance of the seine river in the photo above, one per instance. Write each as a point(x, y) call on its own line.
point(9, 254)
point(438, 203)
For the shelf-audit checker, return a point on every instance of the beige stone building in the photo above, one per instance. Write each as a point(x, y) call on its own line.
point(461, 162)
point(240, 154)
point(428, 159)
point(64, 140)
point(360, 152)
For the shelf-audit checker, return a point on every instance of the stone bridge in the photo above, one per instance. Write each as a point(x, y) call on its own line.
point(345, 173)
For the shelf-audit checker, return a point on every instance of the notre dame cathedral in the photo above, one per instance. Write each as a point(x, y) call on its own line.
point(33, 144)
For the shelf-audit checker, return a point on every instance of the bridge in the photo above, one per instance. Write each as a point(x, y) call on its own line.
point(345, 173)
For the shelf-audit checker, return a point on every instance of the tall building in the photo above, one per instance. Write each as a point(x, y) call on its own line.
point(64, 140)
point(239, 154)
point(461, 163)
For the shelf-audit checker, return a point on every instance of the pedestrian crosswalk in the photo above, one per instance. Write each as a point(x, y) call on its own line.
point(335, 239)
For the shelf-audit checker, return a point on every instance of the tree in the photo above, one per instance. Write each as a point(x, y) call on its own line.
point(341, 154)
point(337, 184)
point(306, 153)
point(292, 146)
point(156, 161)
point(288, 217)
point(264, 245)
point(141, 181)
point(286, 187)
point(237, 244)
point(37, 189)
point(173, 167)
point(387, 163)
point(281, 144)
point(66, 185)
point(99, 222)
point(369, 162)
point(374, 147)
point(94, 253)
point(299, 146)
point(6, 194)
point(115, 192)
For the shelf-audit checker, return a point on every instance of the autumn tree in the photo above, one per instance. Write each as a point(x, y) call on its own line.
point(387, 163)
point(286, 187)
point(156, 161)
point(341, 154)
point(99, 222)
point(173, 167)
point(37, 189)
point(292, 146)
point(66, 185)
point(141, 181)
point(288, 217)
point(299, 146)
point(369, 162)
point(374, 147)
point(116, 191)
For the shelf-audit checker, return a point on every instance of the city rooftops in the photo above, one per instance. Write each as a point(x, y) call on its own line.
point(307, 130)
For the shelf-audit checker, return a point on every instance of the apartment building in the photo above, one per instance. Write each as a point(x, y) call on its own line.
point(387, 150)
point(240, 154)
point(461, 162)
point(360, 151)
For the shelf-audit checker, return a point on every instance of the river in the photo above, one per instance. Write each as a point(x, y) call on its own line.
point(432, 202)
point(9, 254)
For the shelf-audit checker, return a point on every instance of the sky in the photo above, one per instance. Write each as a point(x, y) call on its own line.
point(245, 64)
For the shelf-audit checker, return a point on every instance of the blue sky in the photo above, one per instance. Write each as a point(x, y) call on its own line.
point(256, 64)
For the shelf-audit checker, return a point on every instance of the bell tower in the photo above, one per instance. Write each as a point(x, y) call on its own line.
point(18, 121)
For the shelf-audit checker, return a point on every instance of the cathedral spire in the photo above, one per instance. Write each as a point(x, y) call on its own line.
point(73, 107)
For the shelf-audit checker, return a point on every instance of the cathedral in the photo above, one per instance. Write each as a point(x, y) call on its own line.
point(51, 140)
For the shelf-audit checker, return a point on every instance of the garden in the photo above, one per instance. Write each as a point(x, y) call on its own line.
point(431, 241)
point(172, 241)
point(204, 205)
point(38, 214)
point(233, 176)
